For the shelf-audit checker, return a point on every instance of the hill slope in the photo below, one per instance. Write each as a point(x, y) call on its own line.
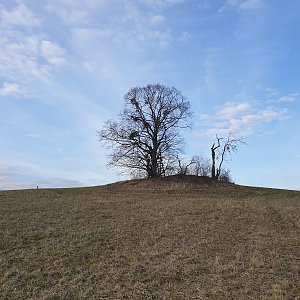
point(174, 182)
point(208, 241)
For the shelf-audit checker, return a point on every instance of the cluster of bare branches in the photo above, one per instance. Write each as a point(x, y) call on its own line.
point(148, 133)
point(197, 165)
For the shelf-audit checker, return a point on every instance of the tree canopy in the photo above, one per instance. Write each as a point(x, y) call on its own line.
point(146, 138)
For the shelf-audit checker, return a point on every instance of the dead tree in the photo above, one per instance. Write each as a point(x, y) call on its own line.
point(221, 149)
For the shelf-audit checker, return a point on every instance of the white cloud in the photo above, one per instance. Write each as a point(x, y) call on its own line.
point(138, 30)
point(53, 53)
point(19, 60)
point(242, 5)
point(75, 13)
point(26, 57)
point(157, 19)
point(128, 27)
point(10, 89)
point(185, 37)
point(161, 3)
point(75, 4)
point(164, 39)
point(24, 54)
point(85, 37)
point(72, 13)
point(20, 16)
point(267, 91)
point(67, 15)
point(138, 36)
point(286, 99)
point(233, 109)
point(32, 135)
point(204, 4)
point(243, 118)
point(252, 120)
point(104, 71)
point(250, 4)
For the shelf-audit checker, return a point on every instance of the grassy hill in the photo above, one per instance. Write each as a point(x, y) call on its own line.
point(178, 238)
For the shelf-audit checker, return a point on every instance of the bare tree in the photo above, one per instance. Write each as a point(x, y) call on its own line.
point(201, 166)
point(148, 133)
point(225, 176)
point(183, 167)
point(221, 149)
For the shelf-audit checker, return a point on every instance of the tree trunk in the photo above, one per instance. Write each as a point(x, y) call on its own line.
point(154, 167)
point(154, 158)
point(213, 163)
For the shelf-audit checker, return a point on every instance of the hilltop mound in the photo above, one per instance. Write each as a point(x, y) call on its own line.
point(173, 182)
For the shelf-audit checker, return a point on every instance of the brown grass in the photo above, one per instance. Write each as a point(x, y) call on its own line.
point(150, 241)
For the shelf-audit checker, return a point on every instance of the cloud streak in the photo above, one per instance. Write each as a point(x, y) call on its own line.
point(232, 109)
point(242, 5)
point(25, 55)
point(20, 16)
point(289, 98)
point(243, 118)
point(11, 89)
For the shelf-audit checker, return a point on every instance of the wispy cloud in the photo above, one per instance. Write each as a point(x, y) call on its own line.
point(241, 117)
point(231, 110)
point(25, 55)
point(20, 16)
point(73, 12)
point(267, 91)
point(286, 99)
point(242, 5)
point(28, 57)
point(247, 122)
point(32, 135)
point(54, 54)
point(161, 3)
point(250, 4)
point(122, 24)
point(11, 89)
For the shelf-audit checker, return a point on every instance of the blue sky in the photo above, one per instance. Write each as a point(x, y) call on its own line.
point(65, 66)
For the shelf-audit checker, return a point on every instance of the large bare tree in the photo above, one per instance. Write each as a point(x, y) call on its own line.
point(147, 136)
point(220, 149)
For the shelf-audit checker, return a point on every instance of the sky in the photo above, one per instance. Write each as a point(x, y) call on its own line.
point(65, 66)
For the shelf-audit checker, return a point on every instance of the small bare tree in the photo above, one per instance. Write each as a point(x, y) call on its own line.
point(221, 149)
point(197, 165)
point(225, 176)
point(184, 167)
point(201, 166)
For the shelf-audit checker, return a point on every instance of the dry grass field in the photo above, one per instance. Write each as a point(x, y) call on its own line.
point(150, 240)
